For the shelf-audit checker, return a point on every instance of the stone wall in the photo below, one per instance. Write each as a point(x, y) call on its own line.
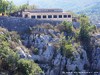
point(21, 24)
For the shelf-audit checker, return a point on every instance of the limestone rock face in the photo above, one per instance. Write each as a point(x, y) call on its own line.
point(96, 58)
point(78, 62)
point(15, 43)
point(21, 52)
point(57, 60)
point(43, 46)
point(48, 54)
point(95, 65)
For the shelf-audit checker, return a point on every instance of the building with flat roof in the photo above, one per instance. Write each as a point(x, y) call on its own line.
point(48, 14)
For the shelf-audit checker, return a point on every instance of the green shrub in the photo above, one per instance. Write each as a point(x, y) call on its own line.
point(8, 58)
point(10, 61)
point(84, 34)
point(85, 29)
point(35, 51)
point(66, 47)
point(2, 37)
point(68, 50)
point(27, 67)
point(67, 27)
point(14, 36)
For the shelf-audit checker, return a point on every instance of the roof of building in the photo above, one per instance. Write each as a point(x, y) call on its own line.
point(44, 10)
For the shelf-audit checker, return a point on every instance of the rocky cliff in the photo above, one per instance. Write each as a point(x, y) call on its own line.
point(45, 44)
point(58, 50)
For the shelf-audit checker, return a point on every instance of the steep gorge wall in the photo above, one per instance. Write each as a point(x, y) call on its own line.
point(21, 24)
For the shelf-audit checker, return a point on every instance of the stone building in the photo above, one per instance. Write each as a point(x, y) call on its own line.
point(48, 14)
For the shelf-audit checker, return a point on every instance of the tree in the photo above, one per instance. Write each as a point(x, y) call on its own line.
point(85, 36)
point(31, 7)
point(23, 7)
point(12, 7)
point(66, 47)
point(84, 30)
point(67, 28)
point(3, 6)
point(26, 6)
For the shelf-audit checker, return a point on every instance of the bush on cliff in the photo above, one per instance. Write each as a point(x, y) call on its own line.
point(10, 62)
point(84, 33)
point(67, 48)
point(67, 28)
point(27, 67)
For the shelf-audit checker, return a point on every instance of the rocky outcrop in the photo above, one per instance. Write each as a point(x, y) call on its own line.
point(96, 53)
point(50, 58)
point(15, 43)
point(43, 46)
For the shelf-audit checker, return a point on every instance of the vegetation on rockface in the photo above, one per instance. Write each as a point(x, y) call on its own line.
point(66, 41)
point(67, 50)
point(28, 67)
point(76, 37)
point(85, 30)
point(68, 47)
point(8, 57)
point(10, 61)
point(67, 28)
point(85, 33)
point(34, 50)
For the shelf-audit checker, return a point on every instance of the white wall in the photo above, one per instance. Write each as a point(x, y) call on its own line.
point(53, 13)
